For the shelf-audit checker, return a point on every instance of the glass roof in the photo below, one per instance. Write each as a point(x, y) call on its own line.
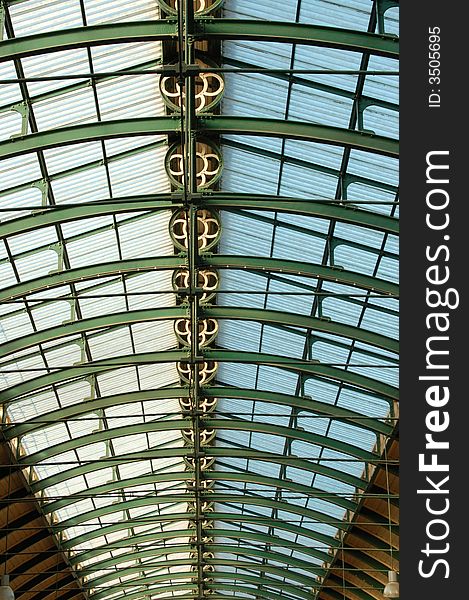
point(225, 457)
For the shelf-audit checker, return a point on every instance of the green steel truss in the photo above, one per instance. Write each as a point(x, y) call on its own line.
point(76, 134)
point(52, 215)
point(244, 530)
point(216, 28)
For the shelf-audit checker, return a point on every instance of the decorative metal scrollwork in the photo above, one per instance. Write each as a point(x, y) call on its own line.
point(209, 88)
point(207, 280)
point(208, 329)
point(206, 507)
point(208, 229)
point(205, 436)
point(205, 462)
point(209, 164)
point(205, 484)
point(206, 524)
point(201, 7)
point(206, 569)
point(206, 405)
point(207, 371)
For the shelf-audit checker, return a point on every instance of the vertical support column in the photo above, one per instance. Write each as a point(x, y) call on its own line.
point(194, 164)
point(190, 161)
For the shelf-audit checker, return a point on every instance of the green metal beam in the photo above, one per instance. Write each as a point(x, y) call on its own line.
point(164, 536)
point(304, 164)
point(55, 41)
point(303, 269)
point(310, 207)
point(302, 321)
point(128, 318)
point(158, 263)
point(101, 270)
point(230, 517)
point(75, 134)
point(222, 452)
point(56, 215)
point(209, 423)
point(303, 403)
point(308, 369)
point(260, 579)
point(93, 35)
point(217, 475)
point(300, 130)
point(311, 369)
point(175, 549)
point(308, 404)
point(155, 501)
point(299, 33)
point(194, 597)
point(344, 213)
point(176, 587)
point(95, 323)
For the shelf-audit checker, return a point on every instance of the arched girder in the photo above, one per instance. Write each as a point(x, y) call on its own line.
point(166, 29)
point(313, 515)
point(47, 216)
point(212, 596)
point(231, 534)
point(303, 403)
point(175, 587)
point(301, 321)
point(100, 270)
point(335, 136)
point(189, 497)
point(162, 263)
point(291, 561)
point(310, 207)
point(275, 31)
point(218, 476)
point(104, 322)
point(122, 319)
point(216, 452)
point(318, 407)
point(260, 579)
point(194, 596)
point(105, 130)
point(208, 423)
point(308, 369)
point(279, 524)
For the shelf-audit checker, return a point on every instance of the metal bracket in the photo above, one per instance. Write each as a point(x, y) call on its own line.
point(362, 105)
point(92, 381)
point(23, 110)
point(382, 6)
point(59, 250)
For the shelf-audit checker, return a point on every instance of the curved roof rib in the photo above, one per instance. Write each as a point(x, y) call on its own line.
point(199, 298)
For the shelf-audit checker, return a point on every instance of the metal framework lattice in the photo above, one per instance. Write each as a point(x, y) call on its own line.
point(198, 255)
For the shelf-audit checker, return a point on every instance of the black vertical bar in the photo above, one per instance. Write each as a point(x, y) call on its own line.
point(433, 242)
